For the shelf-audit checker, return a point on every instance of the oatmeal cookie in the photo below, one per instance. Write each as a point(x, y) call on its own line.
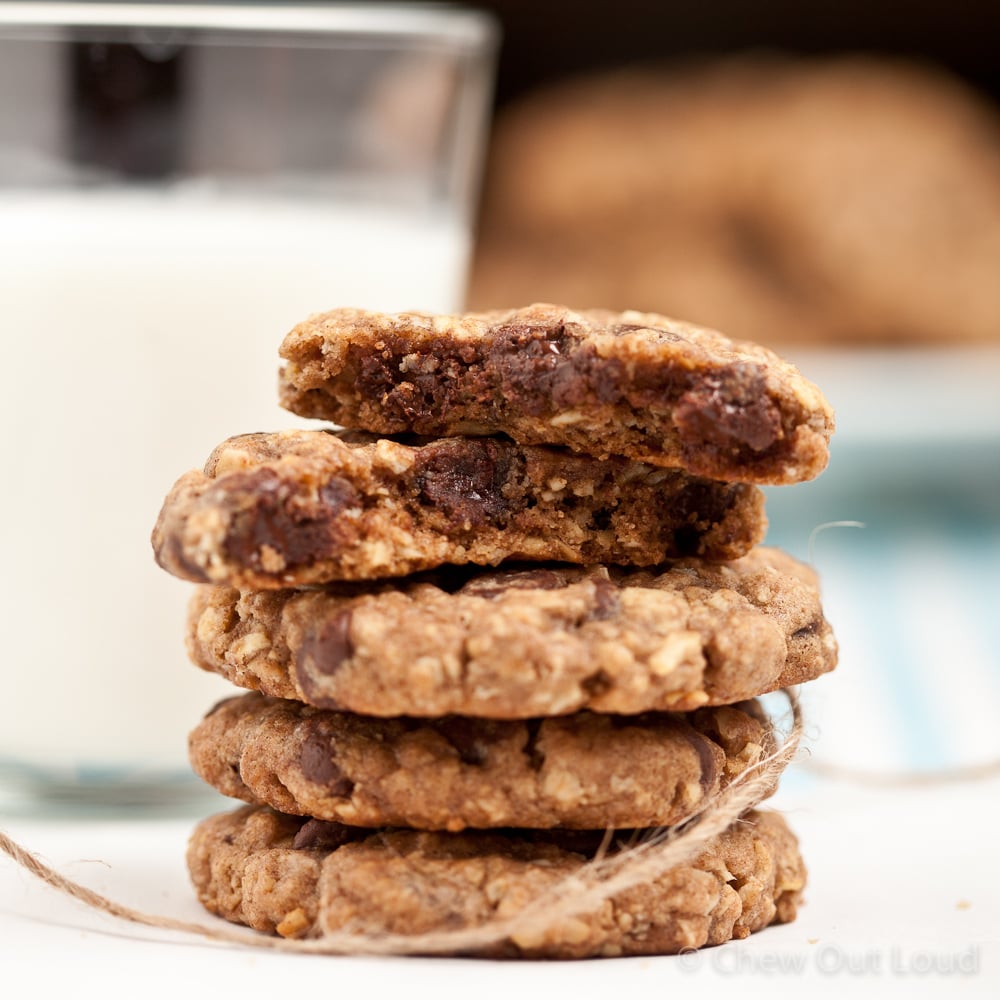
point(581, 771)
point(519, 643)
point(302, 878)
point(633, 384)
point(304, 507)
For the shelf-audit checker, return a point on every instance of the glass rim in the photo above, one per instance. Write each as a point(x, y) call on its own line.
point(462, 28)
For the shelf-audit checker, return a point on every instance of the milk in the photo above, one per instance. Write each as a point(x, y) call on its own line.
point(140, 329)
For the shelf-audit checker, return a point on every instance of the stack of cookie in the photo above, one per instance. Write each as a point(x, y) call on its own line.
point(475, 651)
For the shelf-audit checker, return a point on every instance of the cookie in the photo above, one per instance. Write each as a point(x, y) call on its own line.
point(514, 643)
point(638, 385)
point(304, 507)
point(779, 199)
point(303, 878)
point(580, 771)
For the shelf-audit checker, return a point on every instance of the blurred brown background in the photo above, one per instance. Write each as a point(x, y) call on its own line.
point(799, 193)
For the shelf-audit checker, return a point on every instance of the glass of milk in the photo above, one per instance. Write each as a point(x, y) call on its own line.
point(179, 185)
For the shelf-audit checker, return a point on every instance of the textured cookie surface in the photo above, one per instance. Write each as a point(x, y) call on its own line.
point(514, 644)
point(635, 384)
point(301, 878)
point(579, 771)
point(303, 507)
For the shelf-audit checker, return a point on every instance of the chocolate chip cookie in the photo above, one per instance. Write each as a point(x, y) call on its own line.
point(303, 878)
point(515, 644)
point(303, 507)
point(633, 384)
point(579, 771)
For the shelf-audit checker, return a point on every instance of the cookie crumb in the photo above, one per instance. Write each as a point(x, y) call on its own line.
point(294, 924)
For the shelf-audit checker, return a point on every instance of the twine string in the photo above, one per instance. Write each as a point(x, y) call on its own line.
point(584, 891)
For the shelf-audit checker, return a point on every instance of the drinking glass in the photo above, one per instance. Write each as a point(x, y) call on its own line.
point(179, 185)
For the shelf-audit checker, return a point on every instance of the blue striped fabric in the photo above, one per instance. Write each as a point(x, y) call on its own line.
point(914, 598)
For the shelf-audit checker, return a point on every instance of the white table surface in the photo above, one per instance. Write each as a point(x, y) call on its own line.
point(903, 894)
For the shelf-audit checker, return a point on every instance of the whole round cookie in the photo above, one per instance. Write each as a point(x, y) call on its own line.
point(305, 506)
point(638, 385)
point(581, 771)
point(303, 878)
point(838, 200)
point(516, 643)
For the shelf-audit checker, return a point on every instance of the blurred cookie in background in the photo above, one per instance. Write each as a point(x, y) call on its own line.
point(784, 200)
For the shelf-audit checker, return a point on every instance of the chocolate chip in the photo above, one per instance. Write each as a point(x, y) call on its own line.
point(317, 759)
point(529, 364)
point(410, 401)
point(704, 501)
point(707, 752)
point(699, 505)
point(708, 742)
point(542, 370)
point(327, 647)
point(606, 376)
point(729, 408)
point(466, 480)
point(173, 558)
point(704, 746)
point(467, 737)
point(322, 835)
point(338, 495)
point(280, 519)
point(546, 370)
